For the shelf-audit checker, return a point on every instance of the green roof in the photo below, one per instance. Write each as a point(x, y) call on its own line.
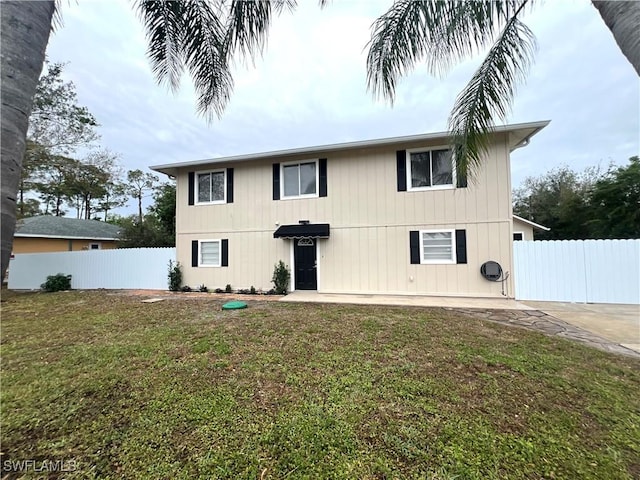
point(61, 227)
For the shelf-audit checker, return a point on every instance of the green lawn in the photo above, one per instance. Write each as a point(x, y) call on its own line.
point(180, 389)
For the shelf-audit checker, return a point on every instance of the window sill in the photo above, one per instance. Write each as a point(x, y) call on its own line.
point(300, 197)
point(217, 202)
point(430, 189)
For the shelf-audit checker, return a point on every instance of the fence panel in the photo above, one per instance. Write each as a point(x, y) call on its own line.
point(591, 271)
point(130, 268)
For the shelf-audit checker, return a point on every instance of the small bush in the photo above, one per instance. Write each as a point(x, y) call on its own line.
point(252, 290)
point(281, 276)
point(227, 289)
point(202, 288)
point(174, 276)
point(186, 288)
point(57, 283)
point(219, 290)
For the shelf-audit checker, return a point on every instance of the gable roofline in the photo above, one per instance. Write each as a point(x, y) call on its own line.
point(530, 223)
point(49, 226)
point(520, 134)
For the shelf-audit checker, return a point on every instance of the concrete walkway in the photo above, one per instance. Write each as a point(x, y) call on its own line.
point(612, 328)
point(617, 323)
point(406, 300)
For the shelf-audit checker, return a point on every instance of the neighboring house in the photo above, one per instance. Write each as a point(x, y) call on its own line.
point(523, 228)
point(47, 233)
point(385, 216)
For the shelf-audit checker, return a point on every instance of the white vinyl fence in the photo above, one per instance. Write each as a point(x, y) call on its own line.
point(127, 268)
point(585, 271)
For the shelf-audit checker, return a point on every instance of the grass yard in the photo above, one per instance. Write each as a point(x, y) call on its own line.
point(180, 390)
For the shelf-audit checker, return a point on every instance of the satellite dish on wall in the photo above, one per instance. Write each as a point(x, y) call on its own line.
point(491, 270)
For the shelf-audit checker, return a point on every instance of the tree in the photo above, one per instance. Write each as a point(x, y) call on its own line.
point(57, 123)
point(204, 37)
point(590, 204)
point(445, 33)
point(199, 37)
point(559, 200)
point(164, 209)
point(140, 182)
point(615, 203)
point(158, 228)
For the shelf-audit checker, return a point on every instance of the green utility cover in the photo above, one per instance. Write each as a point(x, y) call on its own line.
point(234, 305)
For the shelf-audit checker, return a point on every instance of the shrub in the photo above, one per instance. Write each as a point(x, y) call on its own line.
point(57, 283)
point(175, 276)
point(252, 290)
point(203, 288)
point(227, 289)
point(281, 276)
point(186, 288)
point(219, 290)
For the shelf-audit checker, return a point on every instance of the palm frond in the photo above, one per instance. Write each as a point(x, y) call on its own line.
point(249, 22)
point(489, 94)
point(163, 24)
point(441, 33)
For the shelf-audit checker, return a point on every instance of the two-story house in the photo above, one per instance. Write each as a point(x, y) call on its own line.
point(387, 216)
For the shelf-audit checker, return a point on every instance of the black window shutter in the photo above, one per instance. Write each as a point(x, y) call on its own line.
point(322, 190)
point(192, 195)
point(225, 253)
point(461, 246)
point(276, 181)
point(461, 180)
point(194, 253)
point(229, 185)
point(414, 246)
point(401, 161)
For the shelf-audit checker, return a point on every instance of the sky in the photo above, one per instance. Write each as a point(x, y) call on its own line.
point(309, 88)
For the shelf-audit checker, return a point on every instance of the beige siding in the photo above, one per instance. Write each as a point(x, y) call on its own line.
point(368, 250)
point(524, 228)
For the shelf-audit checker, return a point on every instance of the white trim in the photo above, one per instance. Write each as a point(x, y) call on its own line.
point(447, 186)
point(212, 240)
point(299, 162)
point(320, 150)
point(196, 187)
point(453, 259)
point(529, 222)
point(292, 264)
point(515, 233)
point(65, 237)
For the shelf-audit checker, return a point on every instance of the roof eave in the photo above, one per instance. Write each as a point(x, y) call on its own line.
point(171, 169)
point(533, 224)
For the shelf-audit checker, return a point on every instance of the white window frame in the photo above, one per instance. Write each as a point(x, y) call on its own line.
point(516, 233)
point(197, 187)
point(448, 186)
point(213, 240)
point(299, 162)
point(98, 246)
point(450, 261)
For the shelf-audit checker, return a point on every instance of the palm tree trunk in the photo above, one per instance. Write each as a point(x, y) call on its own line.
point(623, 19)
point(25, 28)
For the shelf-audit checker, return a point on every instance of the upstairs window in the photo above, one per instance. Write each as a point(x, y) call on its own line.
point(300, 179)
point(428, 169)
point(211, 187)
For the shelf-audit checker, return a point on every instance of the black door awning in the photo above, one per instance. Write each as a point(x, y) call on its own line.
point(309, 230)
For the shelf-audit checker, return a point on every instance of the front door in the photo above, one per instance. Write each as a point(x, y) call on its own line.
point(304, 258)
